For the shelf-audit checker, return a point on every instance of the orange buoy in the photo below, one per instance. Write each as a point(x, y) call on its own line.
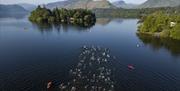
point(49, 85)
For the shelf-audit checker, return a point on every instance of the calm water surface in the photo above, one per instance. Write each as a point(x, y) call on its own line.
point(32, 55)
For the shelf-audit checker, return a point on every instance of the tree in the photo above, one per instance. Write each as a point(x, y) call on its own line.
point(160, 23)
point(75, 16)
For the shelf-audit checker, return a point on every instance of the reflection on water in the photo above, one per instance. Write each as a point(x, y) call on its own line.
point(14, 15)
point(46, 27)
point(105, 21)
point(157, 43)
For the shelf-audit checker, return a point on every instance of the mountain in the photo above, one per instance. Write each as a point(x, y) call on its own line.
point(60, 4)
point(91, 4)
point(123, 4)
point(159, 3)
point(28, 7)
point(74, 4)
point(11, 10)
point(119, 3)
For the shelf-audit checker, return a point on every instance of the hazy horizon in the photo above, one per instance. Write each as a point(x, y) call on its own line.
point(48, 1)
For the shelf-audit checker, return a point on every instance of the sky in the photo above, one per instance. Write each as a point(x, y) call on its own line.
point(47, 1)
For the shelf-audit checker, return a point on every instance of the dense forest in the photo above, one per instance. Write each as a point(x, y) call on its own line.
point(132, 13)
point(82, 17)
point(161, 24)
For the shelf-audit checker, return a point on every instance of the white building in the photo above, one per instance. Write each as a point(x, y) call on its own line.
point(172, 24)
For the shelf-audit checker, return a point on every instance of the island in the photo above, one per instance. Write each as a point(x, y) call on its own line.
point(80, 17)
point(161, 24)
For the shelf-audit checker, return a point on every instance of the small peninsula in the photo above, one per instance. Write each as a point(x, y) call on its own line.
point(80, 17)
point(161, 24)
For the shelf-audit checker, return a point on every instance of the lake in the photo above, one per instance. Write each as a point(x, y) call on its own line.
point(31, 55)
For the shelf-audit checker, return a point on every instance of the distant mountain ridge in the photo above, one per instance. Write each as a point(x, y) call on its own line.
point(28, 7)
point(159, 3)
point(92, 4)
point(123, 4)
point(105, 4)
point(11, 10)
point(74, 4)
point(59, 4)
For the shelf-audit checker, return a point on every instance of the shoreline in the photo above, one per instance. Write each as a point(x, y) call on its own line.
point(156, 35)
